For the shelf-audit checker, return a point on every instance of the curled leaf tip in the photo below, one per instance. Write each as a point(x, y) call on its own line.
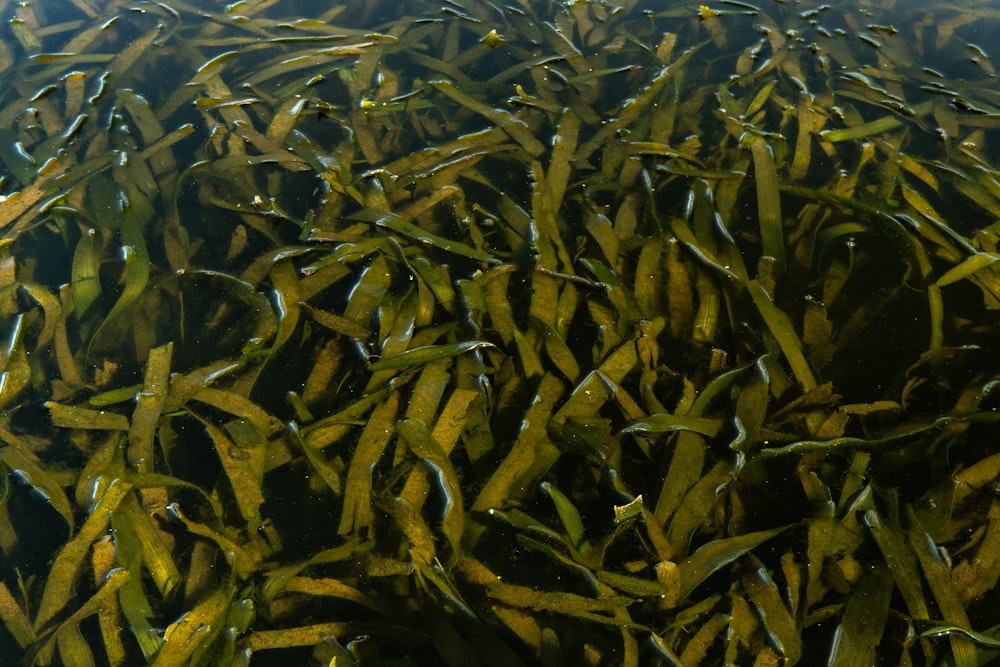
point(492, 39)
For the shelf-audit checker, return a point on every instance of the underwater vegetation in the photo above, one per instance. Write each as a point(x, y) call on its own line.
point(499, 333)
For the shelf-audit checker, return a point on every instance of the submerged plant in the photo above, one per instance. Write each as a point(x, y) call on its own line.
point(587, 332)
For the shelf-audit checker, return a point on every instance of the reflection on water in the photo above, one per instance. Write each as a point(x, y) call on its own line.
point(478, 333)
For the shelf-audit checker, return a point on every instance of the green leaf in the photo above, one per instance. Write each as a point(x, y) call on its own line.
point(862, 625)
point(967, 268)
point(938, 575)
point(421, 356)
point(662, 423)
point(781, 627)
point(988, 639)
point(901, 561)
point(410, 230)
point(69, 416)
point(66, 569)
point(21, 461)
point(781, 328)
point(424, 445)
point(196, 629)
point(712, 557)
point(568, 514)
point(772, 234)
